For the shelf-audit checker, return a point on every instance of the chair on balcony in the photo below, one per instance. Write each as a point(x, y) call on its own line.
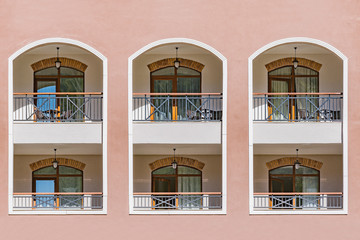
point(66, 115)
point(39, 114)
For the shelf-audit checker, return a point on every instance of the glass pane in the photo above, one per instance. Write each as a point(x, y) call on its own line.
point(169, 71)
point(305, 71)
point(281, 71)
point(165, 184)
point(162, 86)
point(164, 170)
point(45, 171)
point(281, 184)
point(187, 71)
point(46, 103)
point(279, 103)
point(306, 84)
point(69, 171)
point(71, 85)
point(70, 184)
point(47, 71)
point(45, 186)
point(306, 170)
point(189, 184)
point(70, 72)
point(188, 85)
point(188, 170)
point(307, 184)
point(282, 170)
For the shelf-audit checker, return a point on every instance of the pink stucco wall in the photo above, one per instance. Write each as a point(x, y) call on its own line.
point(117, 29)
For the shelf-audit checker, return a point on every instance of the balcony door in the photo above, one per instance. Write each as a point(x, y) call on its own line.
point(288, 179)
point(175, 80)
point(290, 80)
point(63, 179)
point(53, 80)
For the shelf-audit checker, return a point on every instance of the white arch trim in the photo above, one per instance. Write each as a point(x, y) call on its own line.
point(10, 126)
point(224, 121)
point(344, 129)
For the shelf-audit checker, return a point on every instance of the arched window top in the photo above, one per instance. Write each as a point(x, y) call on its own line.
point(53, 71)
point(65, 62)
point(288, 71)
point(169, 62)
point(303, 170)
point(303, 62)
point(63, 170)
point(171, 71)
point(180, 170)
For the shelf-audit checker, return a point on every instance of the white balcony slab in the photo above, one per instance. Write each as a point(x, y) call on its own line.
point(57, 133)
point(177, 132)
point(297, 132)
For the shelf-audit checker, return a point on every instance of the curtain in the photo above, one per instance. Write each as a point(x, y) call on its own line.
point(189, 184)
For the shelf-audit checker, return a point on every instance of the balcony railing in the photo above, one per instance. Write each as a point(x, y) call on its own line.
point(58, 201)
point(178, 201)
point(58, 107)
point(177, 107)
point(297, 107)
point(298, 201)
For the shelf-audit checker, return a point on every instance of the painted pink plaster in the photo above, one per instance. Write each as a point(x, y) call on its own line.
point(117, 29)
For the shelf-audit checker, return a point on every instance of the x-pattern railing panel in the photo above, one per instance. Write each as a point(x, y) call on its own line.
point(177, 108)
point(295, 108)
point(58, 201)
point(62, 108)
point(178, 201)
point(298, 201)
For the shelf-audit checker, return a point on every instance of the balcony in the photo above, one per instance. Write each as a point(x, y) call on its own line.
point(297, 107)
point(177, 118)
point(59, 107)
point(58, 201)
point(178, 201)
point(51, 117)
point(158, 107)
point(281, 118)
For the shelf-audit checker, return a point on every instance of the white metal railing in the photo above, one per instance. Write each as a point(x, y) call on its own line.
point(177, 201)
point(296, 201)
point(58, 201)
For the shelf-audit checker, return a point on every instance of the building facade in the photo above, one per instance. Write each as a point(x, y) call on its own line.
point(199, 119)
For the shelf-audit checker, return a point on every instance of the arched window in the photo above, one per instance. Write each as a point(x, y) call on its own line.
point(181, 179)
point(64, 79)
point(61, 179)
point(175, 80)
point(52, 80)
point(290, 179)
point(290, 80)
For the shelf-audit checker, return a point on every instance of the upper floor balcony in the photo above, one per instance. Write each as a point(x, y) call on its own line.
point(177, 99)
point(54, 101)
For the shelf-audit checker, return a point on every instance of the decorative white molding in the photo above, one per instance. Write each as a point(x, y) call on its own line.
point(345, 122)
point(224, 120)
point(10, 124)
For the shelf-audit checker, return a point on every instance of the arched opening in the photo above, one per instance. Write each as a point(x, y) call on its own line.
point(293, 107)
point(42, 92)
point(174, 97)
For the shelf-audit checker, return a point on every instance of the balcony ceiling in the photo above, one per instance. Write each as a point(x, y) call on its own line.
point(302, 48)
point(183, 49)
point(290, 149)
point(65, 49)
point(182, 149)
point(48, 149)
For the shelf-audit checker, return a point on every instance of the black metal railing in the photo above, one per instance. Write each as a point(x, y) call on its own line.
point(297, 107)
point(182, 107)
point(58, 107)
